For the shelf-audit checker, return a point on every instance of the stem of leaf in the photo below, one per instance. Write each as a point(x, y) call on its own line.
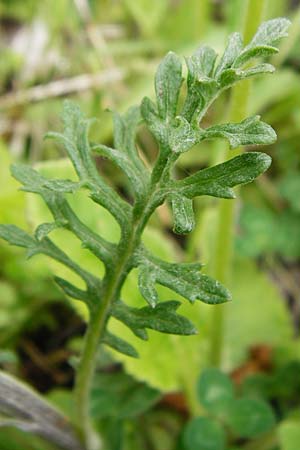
point(226, 212)
point(112, 285)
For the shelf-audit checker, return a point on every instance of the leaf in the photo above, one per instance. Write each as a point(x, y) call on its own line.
point(15, 236)
point(168, 81)
point(45, 228)
point(218, 180)
point(289, 188)
point(134, 175)
point(215, 390)
point(185, 279)
point(254, 290)
point(201, 64)
point(203, 433)
point(75, 140)
point(119, 345)
point(34, 182)
point(200, 83)
point(72, 291)
point(289, 434)
point(231, 76)
point(249, 418)
point(146, 286)
point(270, 32)
point(119, 395)
point(125, 129)
point(251, 131)
point(265, 232)
point(265, 39)
point(182, 137)
point(154, 123)
point(184, 218)
point(233, 49)
point(162, 318)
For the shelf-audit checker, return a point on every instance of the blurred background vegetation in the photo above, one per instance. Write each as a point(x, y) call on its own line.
point(103, 54)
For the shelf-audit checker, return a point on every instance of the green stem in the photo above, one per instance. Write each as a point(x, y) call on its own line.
point(226, 212)
point(112, 285)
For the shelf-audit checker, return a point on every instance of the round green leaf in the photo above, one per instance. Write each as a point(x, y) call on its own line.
point(250, 417)
point(202, 433)
point(214, 390)
point(289, 435)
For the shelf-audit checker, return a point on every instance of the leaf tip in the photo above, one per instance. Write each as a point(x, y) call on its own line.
point(264, 161)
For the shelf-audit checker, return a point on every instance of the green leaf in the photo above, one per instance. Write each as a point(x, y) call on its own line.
point(233, 49)
point(203, 433)
point(125, 129)
point(119, 345)
point(265, 39)
point(251, 131)
point(72, 291)
point(52, 193)
point(162, 318)
point(34, 182)
point(265, 232)
point(119, 395)
point(201, 64)
point(182, 137)
point(15, 236)
point(231, 76)
point(75, 140)
point(289, 188)
point(135, 176)
point(45, 228)
point(218, 180)
point(249, 418)
point(273, 326)
point(270, 32)
point(289, 434)
point(146, 285)
point(185, 279)
point(154, 123)
point(168, 81)
point(200, 83)
point(215, 390)
point(184, 218)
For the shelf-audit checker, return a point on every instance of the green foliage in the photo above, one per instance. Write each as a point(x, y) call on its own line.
point(289, 188)
point(289, 434)
point(250, 417)
point(177, 127)
point(267, 232)
point(214, 390)
point(117, 395)
point(204, 434)
point(245, 328)
point(242, 417)
point(174, 133)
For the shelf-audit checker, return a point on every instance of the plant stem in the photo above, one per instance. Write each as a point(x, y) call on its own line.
point(112, 284)
point(226, 213)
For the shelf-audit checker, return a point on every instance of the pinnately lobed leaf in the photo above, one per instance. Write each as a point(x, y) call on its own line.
point(177, 128)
